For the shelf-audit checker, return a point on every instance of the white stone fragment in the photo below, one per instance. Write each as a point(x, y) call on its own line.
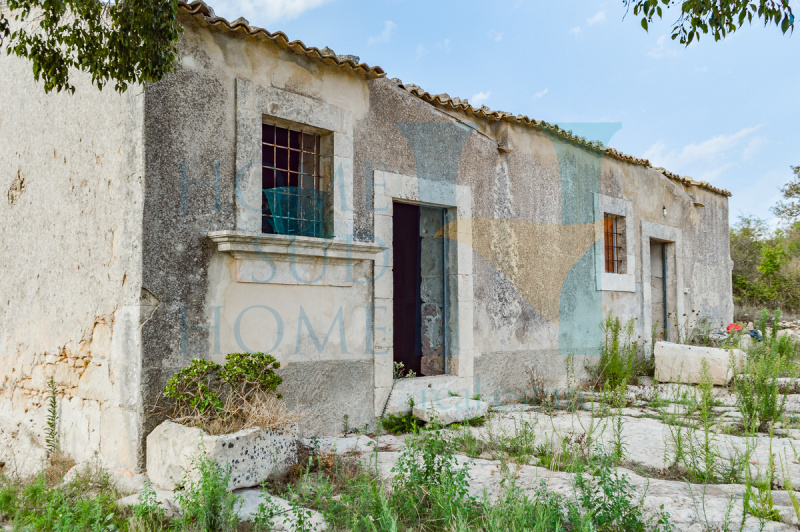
point(252, 454)
point(450, 410)
point(326, 445)
point(682, 363)
point(287, 518)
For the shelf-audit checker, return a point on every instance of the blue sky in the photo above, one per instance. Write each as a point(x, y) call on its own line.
point(726, 112)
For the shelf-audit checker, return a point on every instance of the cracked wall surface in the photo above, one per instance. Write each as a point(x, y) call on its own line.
point(70, 253)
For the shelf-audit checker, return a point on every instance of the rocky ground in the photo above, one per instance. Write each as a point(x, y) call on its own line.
point(659, 425)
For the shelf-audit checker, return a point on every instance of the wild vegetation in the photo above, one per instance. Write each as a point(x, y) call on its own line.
point(222, 399)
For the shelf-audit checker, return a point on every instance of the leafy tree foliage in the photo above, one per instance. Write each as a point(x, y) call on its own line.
point(128, 41)
point(766, 265)
point(789, 209)
point(715, 17)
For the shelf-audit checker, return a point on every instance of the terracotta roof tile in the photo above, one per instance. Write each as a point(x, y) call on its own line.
point(462, 105)
point(241, 25)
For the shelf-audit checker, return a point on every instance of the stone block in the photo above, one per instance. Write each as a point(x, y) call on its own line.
point(253, 455)
point(327, 445)
point(422, 390)
point(285, 515)
point(682, 363)
point(450, 410)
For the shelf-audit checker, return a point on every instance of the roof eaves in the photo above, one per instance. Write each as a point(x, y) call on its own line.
point(240, 25)
point(462, 105)
point(200, 9)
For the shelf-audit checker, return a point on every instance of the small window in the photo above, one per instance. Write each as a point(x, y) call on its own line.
point(292, 178)
point(614, 243)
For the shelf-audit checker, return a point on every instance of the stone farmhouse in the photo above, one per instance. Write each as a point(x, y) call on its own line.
point(269, 196)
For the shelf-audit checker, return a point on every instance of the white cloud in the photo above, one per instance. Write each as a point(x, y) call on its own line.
point(597, 19)
point(480, 98)
point(495, 36)
point(445, 45)
point(753, 147)
point(421, 50)
point(268, 11)
point(576, 30)
point(709, 159)
point(663, 49)
point(539, 94)
point(385, 35)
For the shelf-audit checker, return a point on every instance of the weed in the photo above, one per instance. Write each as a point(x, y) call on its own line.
point(609, 496)
point(148, 514)
point(205, 501)
point(85, 503)
point(51, 440)
point(758, 393)
point(619, 355)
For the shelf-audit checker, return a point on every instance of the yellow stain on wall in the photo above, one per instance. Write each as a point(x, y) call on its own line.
point(543, 254)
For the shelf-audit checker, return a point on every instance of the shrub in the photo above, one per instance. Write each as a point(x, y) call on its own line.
point(221, 399)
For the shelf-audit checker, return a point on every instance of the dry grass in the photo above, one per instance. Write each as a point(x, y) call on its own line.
point(258, 409)
point(56, 467)
point(536, 391)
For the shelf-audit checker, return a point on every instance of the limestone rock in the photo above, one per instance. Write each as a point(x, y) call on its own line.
point(450, 410)
point(163, 497)
point(286, 521)
point(682, 363)
point(358, 444)
point(250, 500)
point(252, 454)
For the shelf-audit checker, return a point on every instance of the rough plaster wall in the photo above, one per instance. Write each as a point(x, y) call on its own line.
point(71, 260)
point(431, 290)
point(190, 118)
point(511, 334)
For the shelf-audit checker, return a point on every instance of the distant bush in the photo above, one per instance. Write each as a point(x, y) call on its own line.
point(766, 265)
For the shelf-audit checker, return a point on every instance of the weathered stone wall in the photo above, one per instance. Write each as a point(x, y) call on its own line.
point(71, 211)
point(190, 123)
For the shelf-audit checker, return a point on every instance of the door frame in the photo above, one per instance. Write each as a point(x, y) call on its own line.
point(457, 199)
point(673, 237)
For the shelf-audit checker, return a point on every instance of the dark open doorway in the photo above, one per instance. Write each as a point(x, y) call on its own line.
point(407, 304)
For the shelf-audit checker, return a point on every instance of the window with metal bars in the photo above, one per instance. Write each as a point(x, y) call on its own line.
point(293, 199)
point(614, 240)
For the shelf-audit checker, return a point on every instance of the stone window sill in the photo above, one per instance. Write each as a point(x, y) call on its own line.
point(245, 244)
point(617, 282)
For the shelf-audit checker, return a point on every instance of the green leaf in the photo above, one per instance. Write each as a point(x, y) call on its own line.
point(644, 24)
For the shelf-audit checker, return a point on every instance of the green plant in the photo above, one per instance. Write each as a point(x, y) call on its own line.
point(223, 399)
point(88, 502)
point(250, 372)
point(196, 386)
point(619, 358)
point(609, 496)
point(148, 514)
point(51, 440)
point(758, 393)
point(429, 483)
point(402, 423)
point(205, 501)
point(760, 503)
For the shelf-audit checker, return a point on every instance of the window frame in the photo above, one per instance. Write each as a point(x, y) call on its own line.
point(623, 280)
point(256, 104)
point(321, 175)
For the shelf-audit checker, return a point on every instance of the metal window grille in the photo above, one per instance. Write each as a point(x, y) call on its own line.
point(613, 246)
point(292, 199)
